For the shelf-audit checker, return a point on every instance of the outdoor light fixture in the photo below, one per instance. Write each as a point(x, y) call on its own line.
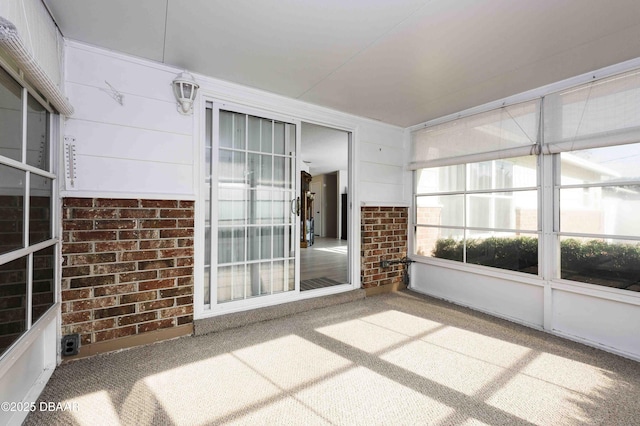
point(185, 89)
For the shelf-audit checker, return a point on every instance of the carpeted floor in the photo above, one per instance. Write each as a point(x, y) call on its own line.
point(391, 359)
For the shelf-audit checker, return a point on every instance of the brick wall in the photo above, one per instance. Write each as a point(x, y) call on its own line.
point(384, 237)
point(127, 266)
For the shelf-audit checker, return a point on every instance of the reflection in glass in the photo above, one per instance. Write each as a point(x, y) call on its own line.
point(12, 190)
point(43, 282)
point(37, 131)
point(10, 117)
point(503, 210)
point(442, 210)
point(611, 210)
point(503, 250)
point(13, 293)
point(39, 209)
point(231, 206)
point(440, 179)
point(516, 172)
point(605, 262)
point(440, 242)
point(614, 163)
point(278, 138)
point(231, 282)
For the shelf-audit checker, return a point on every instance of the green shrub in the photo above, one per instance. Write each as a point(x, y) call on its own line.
point(587, 261)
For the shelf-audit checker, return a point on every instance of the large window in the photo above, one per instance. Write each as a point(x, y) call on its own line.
point(483, 206)
point(27, 244)
point(483, 213)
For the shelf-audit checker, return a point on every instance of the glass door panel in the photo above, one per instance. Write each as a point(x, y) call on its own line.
point(255, 193)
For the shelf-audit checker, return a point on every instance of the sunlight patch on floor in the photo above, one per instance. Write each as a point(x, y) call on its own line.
point(241, 388)
point(347, 400)
point(479, 346)
point(451, 369)
point(406, 324)
point(95, 409)
point(363, 335)
point(568, 373)
point(305, 361)
point(537, 401)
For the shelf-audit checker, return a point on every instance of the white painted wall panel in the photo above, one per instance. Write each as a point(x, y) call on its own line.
point(130, 142)
point(92, 68)
point(104, 174)
point(380, 194)
point(381, 173)
point(93, 104)
point(598, 321)
point(382, 154)
point(518, 301)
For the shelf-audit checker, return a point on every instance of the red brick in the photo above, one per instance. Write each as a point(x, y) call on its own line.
point(139, 234)
point(114, 202)
point(176, 312)
point(139, 213)
point(156, 304)
point(156, 244)
point(92, 281)
point(103, 324)
point(138, 276)
point(155, 284)
point(84, 327)
point(83, 293)
point(185, 261)
point(115, 289)
point(185, 204)
point(176, 214)
point(115, 333)
point(185, 281)
point(90, 259)
point(176, 233)
point(181, 252)
point(156, 264)
point(80, 236)
point(185, 320)
point(75, 271)
point(140, 255)
point(167, 204)
point(175, 272)
point(185, 242)
point(76, 317)
point(113, 268)
point(115, 311)
point(77, 225)
point(76, 248)
point(186, 223)
point(158, 223)
point(77, 202)
point(136, 318)
point(99, 302)
point(111, 246)
point(155, 325)
point(94, 214)
point(115, 224)
point(138, 297)
point(184, 300)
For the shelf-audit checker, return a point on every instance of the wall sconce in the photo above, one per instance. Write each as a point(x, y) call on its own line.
point(185, 89)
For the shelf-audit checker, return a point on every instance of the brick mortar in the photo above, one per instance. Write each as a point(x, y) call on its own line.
point(384, 237)
point(105, 243)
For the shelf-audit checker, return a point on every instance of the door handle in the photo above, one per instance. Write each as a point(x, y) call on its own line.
point(295, 206)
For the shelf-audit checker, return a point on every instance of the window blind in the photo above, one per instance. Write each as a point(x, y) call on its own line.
point(510, 131)
point(601, 113)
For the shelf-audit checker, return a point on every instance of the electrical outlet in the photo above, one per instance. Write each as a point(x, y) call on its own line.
point(384, 264)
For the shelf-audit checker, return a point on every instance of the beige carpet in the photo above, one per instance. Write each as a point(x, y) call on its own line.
point(393, 359)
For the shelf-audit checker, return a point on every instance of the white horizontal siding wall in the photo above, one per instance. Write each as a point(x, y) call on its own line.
point(143, 148)
point(146, 148)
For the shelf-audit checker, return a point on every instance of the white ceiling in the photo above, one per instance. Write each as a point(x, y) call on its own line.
point(323, 149)
point(399, 61)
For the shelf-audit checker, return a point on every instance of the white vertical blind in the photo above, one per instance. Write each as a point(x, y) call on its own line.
point(510, 131)
point(602, 113)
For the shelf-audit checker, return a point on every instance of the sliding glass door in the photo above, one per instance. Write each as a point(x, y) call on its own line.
point(251, 225)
